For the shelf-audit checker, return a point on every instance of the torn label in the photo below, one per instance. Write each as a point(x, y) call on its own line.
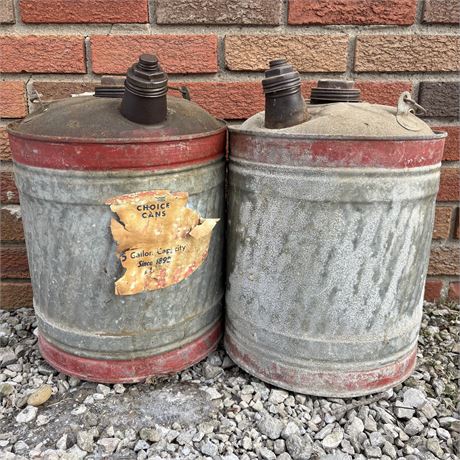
point(159, 240)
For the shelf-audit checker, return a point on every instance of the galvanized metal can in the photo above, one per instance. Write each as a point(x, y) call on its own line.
point(69, 159)
point(329, 232)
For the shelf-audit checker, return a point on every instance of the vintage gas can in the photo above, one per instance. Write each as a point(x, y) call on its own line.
point(330, 218)
point(120, 199)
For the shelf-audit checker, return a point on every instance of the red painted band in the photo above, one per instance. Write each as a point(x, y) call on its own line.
point(322, 383)
point(291, 151)
point(115, 156)
point(131, 370)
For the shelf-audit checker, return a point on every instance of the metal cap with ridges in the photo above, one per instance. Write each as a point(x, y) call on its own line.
point(330, 91)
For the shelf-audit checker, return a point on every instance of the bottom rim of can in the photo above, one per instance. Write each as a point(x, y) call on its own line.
point(332, 384)
point(131, 370)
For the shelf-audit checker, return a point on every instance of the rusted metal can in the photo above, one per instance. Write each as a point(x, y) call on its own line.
point(329, 232)
point(69, 159)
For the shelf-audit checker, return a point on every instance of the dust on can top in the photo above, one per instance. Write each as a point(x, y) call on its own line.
point(143, 130)
point(343, 133)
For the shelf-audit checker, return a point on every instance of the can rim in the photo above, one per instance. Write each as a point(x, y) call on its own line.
point(301, 136)
point(11, 129)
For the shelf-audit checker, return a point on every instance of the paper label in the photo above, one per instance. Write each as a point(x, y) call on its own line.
point(159, 240)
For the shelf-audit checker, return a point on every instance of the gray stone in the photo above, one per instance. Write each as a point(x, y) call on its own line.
point(370, 424)
point(74, 453)
point(413, 426)
point(277, 396)
point(403, 412)
point(149, 434)
point(433, 446)
point(376, 438)
point(211, 372)
point(389, 449)
point(85, 441)
point(279, 446)
point(355, 427)
point(266, 454)
point(333, 440)
point(428, 411)
point(141, 445)
point(213, 393)
point(324, 432)
point(27, 415)
point(7, 357)
point(284, 456)
point(373, 452)
point(414, 398)
point(298, 448)
point(338, 456)
point(246, 443)
point(186, 437)
point(270, 426)
point(119, 388)
point(108, 444)
point(6, 389)
point(227, 363)
point(20, 447)
point(209, 448)
point(290, 429)
point(103, 389)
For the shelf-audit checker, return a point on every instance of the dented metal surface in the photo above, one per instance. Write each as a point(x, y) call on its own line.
point(328, 245)
point(73, 263)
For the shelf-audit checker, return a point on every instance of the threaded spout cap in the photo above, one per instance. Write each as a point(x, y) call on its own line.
point(284, 104)
point(146, 85)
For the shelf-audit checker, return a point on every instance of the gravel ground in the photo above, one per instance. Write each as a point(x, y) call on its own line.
point(216, 411)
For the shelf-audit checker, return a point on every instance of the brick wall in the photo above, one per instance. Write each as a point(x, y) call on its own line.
point(220, 49)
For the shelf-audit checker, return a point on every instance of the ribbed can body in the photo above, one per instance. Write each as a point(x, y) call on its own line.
point(328, 246)
point(84, 328)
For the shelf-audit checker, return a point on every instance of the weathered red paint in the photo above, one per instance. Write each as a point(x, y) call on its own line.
point(337, 382)
point(131, 370)
point(157, 154)
point(317, 152)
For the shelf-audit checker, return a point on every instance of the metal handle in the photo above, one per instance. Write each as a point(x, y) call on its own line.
point(405, 110)
point(183, 90)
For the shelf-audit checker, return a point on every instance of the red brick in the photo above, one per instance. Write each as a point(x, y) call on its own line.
point(177, 53)
point(8, 191)
point(7, 12)
point(84, 11)
point(12, 99)
point(42, 54)
point(15, 294)
point(229, 100)
point(260, 12)
point(449, 188)
point(442, 222)
point(14, 262)
point(382, 92)
point(452, 145)
point(433, 290)
point(5, 152)
point(440, 98)
point(454, 291)
point(441, 11)
point(308, 53)
point(407, 53)
point(444, 260)
point(50, 90)
point(11, 224)
point(401, 12)
point(242, 99)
